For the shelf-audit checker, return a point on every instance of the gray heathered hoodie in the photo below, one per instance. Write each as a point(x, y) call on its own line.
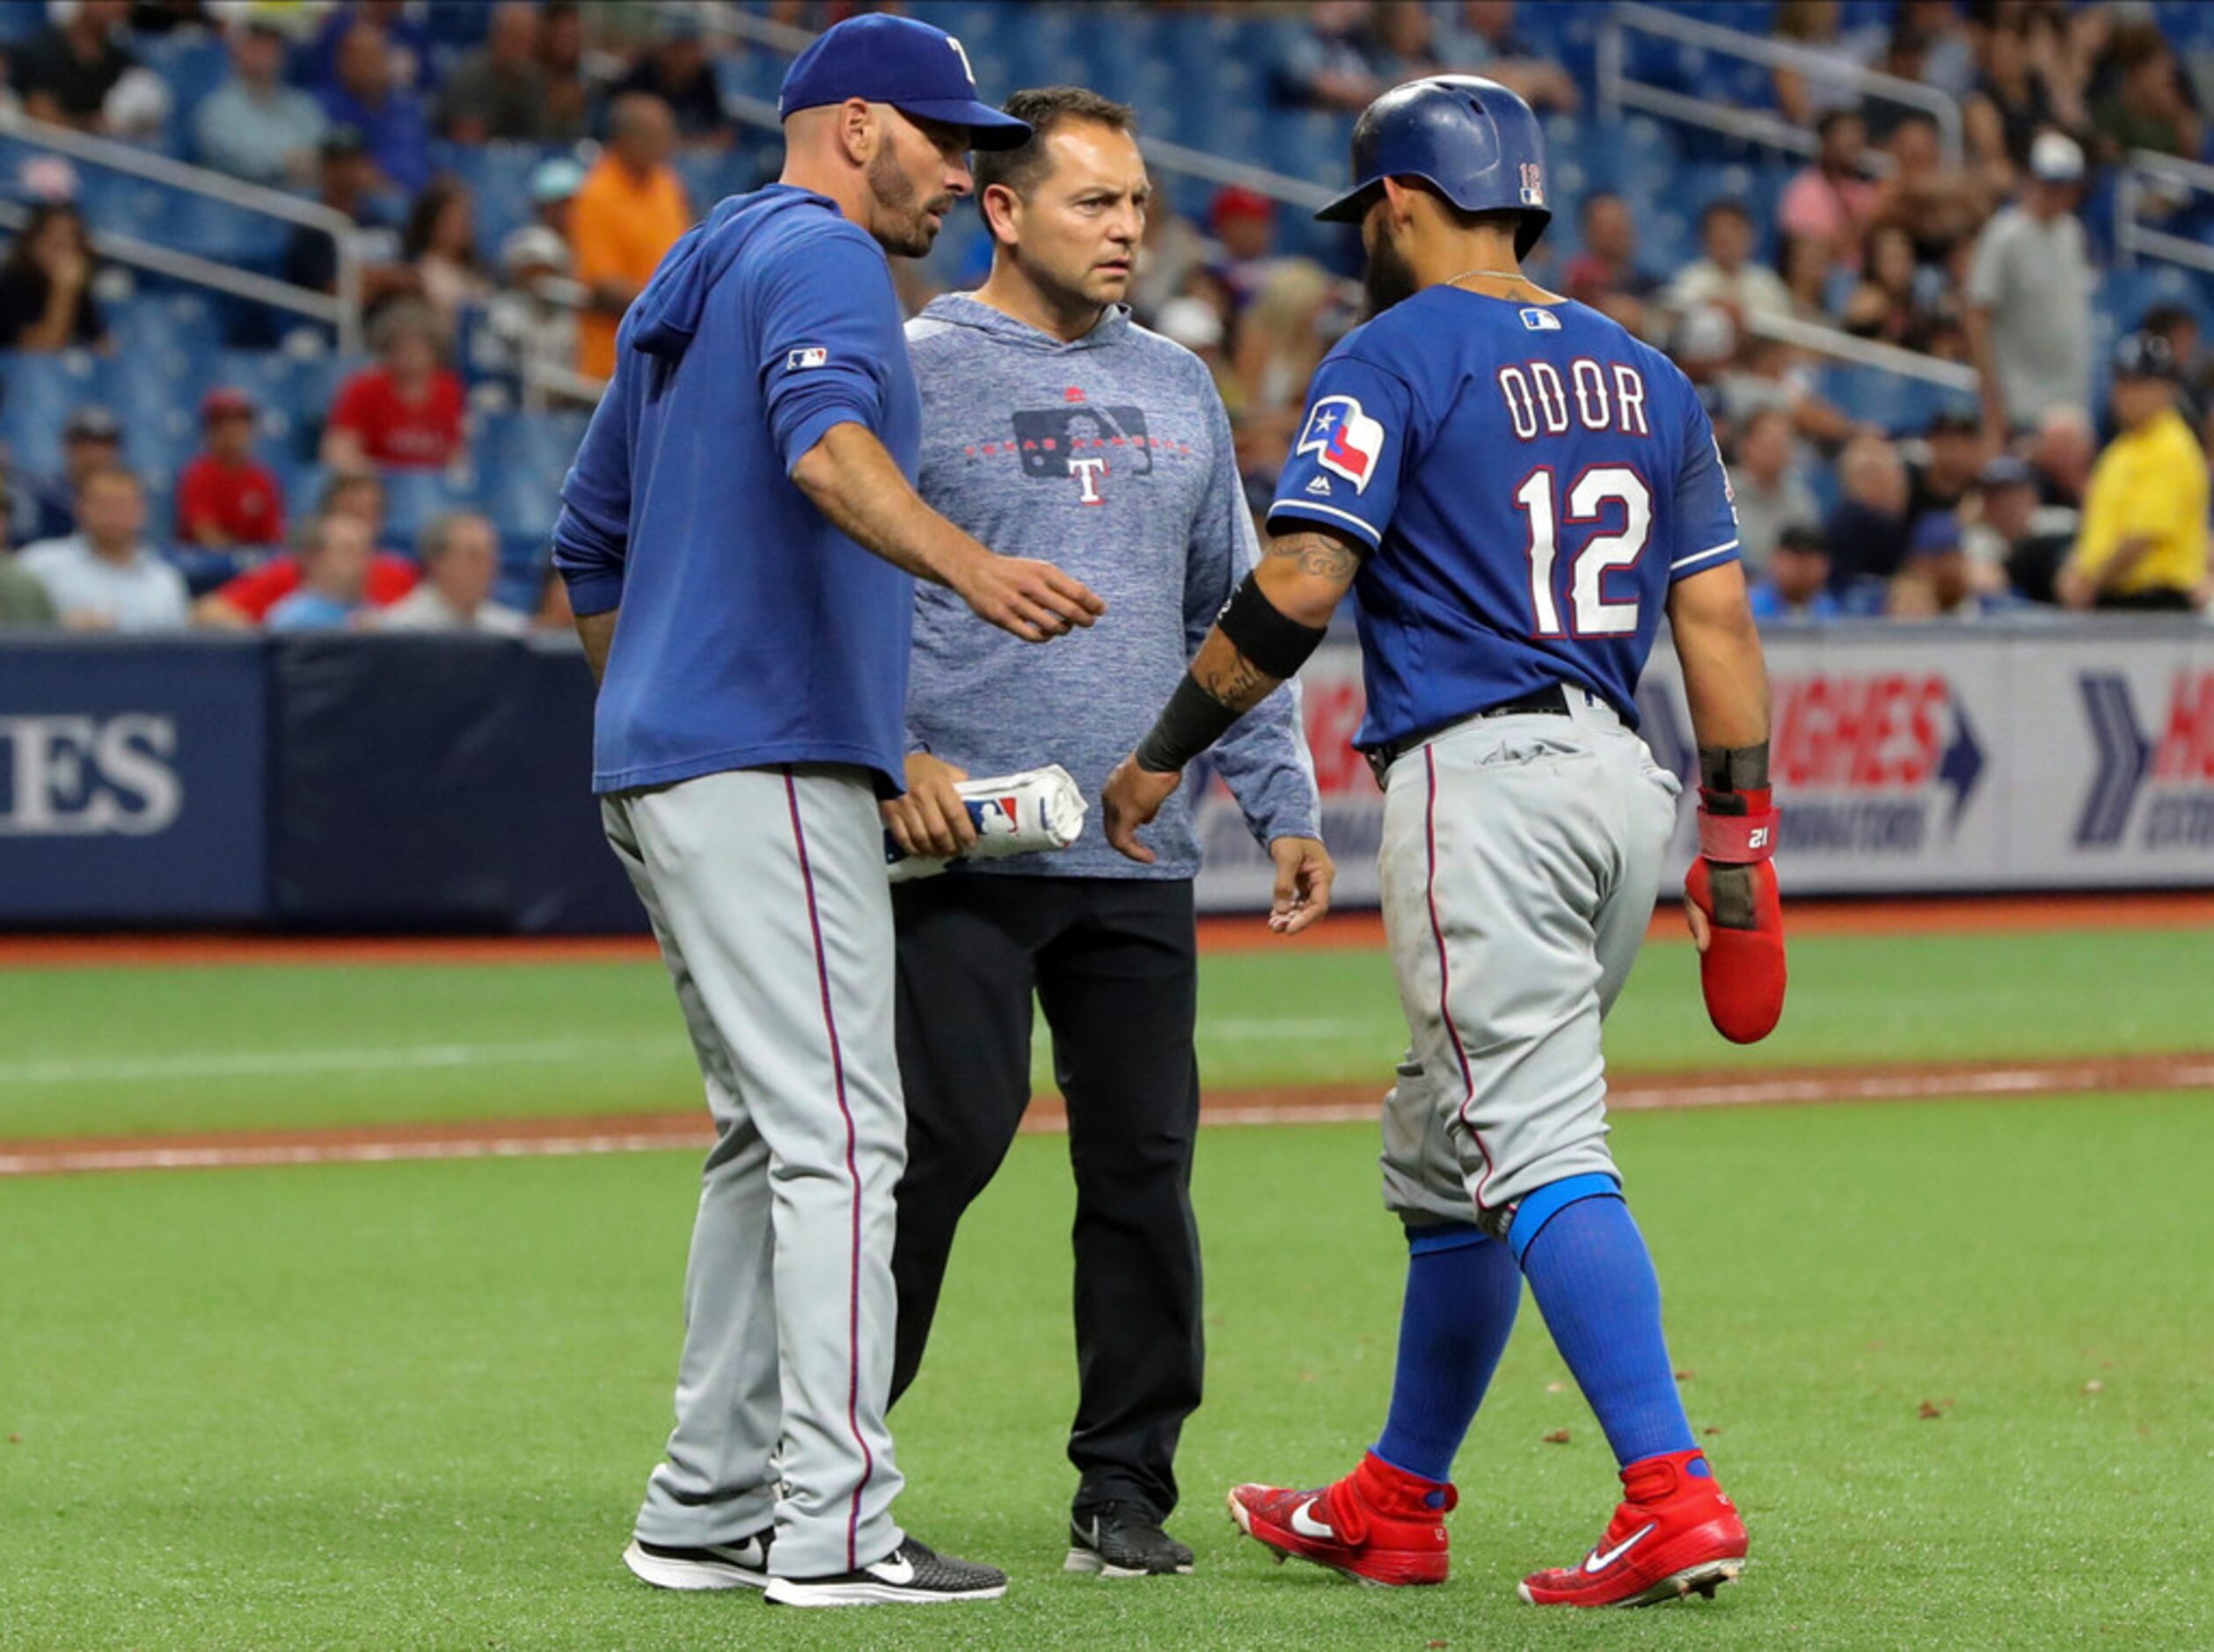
point(1111, 458)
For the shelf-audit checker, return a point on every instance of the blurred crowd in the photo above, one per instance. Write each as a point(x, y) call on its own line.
point(2030, 491)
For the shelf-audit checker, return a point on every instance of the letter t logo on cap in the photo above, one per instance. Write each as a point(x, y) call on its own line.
point(963, 55)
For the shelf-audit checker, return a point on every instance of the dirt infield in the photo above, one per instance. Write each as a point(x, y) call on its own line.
point(1344, 932)
point(1313, 1105)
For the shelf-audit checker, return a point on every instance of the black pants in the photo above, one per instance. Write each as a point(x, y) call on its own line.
point(1113, 963)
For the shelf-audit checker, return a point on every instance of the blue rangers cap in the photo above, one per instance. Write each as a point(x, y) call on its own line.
point(919, 70)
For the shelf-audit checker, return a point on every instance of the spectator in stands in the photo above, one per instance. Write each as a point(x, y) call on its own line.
point(1940, 206)
point(335, 553)
point(2062, 454)
point(554, 187)
point(1868, 531)
point(1172, 250)
point(460, 554)
point(407, 46)
point(24, 603)
point(405, 413)
point(440, 246)
point(2029, 296)
point(254, 126)
point(1279, 345)
point(389, 116)
point(1833, 199)
point(247, 600)
point(1725, 275)
point(2013, 530)
point(45, 284)
point(1327, 66)
point(1944, 51)
point(1771, 493)
point(1194, 324)
point(2195, 370)
point(1807, 268)
point(1937, 580)
point(1954, 451)
point(1481, 40)
point(2026, 84)
point(347, 183)
point(225, 499)
point(65, 72)
point(501, 91)
point(1897, 301)
point(561, 58)
point(1605, 275)
point(105, 576)
point(1797, 583)
point(2142, 542)
point(629, 210)
point(1402, 46)
point(526, 321)
point(1769, 373)
point(677, 70)
point(2146, 105)
point(1245, 225)
point(1703, 341)
point(91, 438)
point(1819, 25)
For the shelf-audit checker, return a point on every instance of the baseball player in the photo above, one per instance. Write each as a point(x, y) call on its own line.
point(1519, 490)
point(1050, 418)
point(740, 536)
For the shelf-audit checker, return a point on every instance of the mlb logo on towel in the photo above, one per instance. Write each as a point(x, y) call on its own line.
point(815, 356)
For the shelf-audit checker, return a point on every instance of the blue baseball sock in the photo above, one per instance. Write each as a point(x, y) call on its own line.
point(1587, 1266)
point(1462, 1292)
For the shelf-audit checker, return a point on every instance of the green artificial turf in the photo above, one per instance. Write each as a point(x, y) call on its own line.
point(412, 1405)
point(96, 1051)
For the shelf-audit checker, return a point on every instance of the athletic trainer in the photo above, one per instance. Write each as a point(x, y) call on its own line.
point(738, 536)
point(1051, 418)
point(1519, 490)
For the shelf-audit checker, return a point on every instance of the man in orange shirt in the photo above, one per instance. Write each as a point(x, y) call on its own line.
point(629, 211)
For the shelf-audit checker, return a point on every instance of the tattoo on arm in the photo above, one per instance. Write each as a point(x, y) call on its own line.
point(1236, 684)
point(1324, 555)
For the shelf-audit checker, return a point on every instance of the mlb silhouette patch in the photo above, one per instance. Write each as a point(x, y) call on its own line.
point(1540, 320)
point(815, 356)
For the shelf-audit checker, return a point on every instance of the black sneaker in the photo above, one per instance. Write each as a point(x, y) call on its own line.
point(1122, 1539)
point(911, 1573)
point(741, 1564)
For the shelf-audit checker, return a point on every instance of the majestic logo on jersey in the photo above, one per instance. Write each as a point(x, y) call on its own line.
point(1539, 320)
point(817, 356)
point(1321, 488)
point(1344, 439)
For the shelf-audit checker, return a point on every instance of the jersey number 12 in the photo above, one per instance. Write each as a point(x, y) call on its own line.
point(1591, 497)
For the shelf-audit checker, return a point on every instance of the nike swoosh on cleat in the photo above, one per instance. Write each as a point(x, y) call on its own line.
point(898, 1571)
point(1307, 1526)
point(1595, 1562)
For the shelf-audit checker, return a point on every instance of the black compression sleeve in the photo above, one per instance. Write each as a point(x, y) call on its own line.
point(1265, 634)
point(1192, 720)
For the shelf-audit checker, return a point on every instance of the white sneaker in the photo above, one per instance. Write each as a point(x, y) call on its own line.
point(910, 1575)
point(741, 1564)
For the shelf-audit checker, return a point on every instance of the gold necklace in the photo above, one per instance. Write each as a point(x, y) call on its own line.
point(1497, 274)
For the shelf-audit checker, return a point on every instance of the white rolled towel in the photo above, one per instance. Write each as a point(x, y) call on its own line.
point(1013, 815)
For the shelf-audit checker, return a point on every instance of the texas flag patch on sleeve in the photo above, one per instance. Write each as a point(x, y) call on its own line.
point(1344, 439)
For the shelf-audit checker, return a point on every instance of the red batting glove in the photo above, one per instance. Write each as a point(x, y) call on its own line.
point(1733, 883)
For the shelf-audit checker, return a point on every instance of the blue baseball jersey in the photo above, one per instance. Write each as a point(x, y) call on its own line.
point(1528, 481)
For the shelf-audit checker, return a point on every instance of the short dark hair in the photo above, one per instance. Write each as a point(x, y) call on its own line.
point(1727, 207)
point(1045, 108)
point(1805, 537)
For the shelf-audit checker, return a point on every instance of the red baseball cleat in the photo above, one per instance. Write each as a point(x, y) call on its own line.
point(1674, 1533)
point(1379, 1525)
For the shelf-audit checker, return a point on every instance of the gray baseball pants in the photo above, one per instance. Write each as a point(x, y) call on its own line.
point(1520, 861)
point(767, 892)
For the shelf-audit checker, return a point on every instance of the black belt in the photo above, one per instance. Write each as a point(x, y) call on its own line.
point(1549, 701)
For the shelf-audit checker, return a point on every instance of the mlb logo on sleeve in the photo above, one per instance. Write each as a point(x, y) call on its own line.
point(1344, 439)
point(814, 356)
point(1540, 320)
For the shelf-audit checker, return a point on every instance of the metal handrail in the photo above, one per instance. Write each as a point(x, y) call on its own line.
point(2132, 238)
point(1859, 352)
point(345, 308)
point(191, 267)
point(1617, 90)
point(1174, 157)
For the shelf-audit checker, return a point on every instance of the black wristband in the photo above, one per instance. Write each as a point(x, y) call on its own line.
point(1265, 634)
point(1734, 768)
point(1192, 720)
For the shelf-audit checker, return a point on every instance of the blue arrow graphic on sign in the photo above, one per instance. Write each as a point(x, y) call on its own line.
point(1962, 765)
point(2124, 756)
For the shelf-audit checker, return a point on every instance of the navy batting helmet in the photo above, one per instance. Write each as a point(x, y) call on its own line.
point(1471, 139)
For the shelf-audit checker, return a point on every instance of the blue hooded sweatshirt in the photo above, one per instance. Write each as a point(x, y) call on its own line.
point(752, 632)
